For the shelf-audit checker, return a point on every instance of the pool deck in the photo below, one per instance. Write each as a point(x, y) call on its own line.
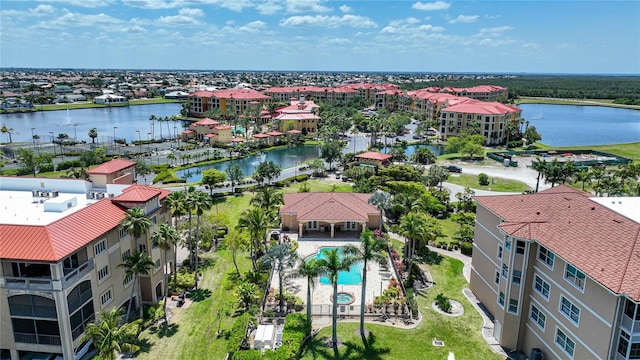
point(377, 278)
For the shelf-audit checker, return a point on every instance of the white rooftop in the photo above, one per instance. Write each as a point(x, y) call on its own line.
point(626, 206)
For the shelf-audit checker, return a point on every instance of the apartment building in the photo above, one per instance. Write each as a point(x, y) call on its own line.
point(559, 271)
point(61, 245)
point(300, 115)
point(491, 117)
point(228, 101)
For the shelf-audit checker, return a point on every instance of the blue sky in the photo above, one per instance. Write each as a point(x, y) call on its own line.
point(306, 35)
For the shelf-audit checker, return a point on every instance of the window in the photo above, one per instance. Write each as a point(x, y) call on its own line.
point(128, 279)
point(499, 251)
point(497, 278)
point(505, 271)
point(546, 256)
point(623, 343)
point(100, 247)
point(104, 272)
point(501, 299)
point(574, 276)
point(507, 244)
point(142, 248)
point(538, 316)
point(520, 246)
point(542, 287)
point(565, 342)
point(126, 254)
point(517, 276)
point(569, 309)
point(158, 264)
point(513, 306)
point(105, 298)
point(154, 220)
point(123, 233)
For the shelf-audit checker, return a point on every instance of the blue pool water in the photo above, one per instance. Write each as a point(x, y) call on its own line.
point(351, 277)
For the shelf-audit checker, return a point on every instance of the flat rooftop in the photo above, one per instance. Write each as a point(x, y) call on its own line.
point(625, 206)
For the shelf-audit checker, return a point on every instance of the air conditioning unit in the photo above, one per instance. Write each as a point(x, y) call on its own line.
point(91, 195)
point(110, 195)
point(99, 195)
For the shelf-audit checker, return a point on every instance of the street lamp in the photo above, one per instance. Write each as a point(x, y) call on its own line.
point(115, 144)
point(52, 143)
point(33, 138)
point(75, 136)
point(149, 143)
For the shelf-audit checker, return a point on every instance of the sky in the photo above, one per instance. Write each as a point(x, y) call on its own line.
point(572, 36)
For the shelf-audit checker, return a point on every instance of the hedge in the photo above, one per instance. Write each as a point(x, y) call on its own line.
point(466, 248)
point(69, 164)
point(302, 177)
point(238, 332)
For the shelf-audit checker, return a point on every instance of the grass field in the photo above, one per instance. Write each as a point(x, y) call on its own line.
point(629, 150)
point(501, 184)
point(582, 102)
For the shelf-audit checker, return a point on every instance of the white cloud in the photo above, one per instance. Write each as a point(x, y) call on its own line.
point(253, 27)
point(495, 30)
point(329, 21)
point(431, 6)
point(38, 11)
point(82, 3)
point(345, 8)
point(409, 26)
point(464, 19)
point(298, 6)
point(269, 7)
point(235, 5)
point(185, 17)
point(136, 29)
point(42, 10)
point(151, 4)
point(78, 20)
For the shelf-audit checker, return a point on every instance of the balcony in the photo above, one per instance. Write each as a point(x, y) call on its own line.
point(71, 277)
point(37, 339)
point(632, 326)
point(26, 283)
point(33, 311)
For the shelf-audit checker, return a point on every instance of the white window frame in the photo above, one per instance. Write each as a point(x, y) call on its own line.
point(541, 290)
point(566, 340)
point(505, 271)
point(516, 274)
point(537, 316)
point(523, 247)
point(501, 299)
point(123, 233)
point(126, 254)
point(103, 273)
point(549, 256)
point(499, 252)
point(571, 310)
point(158, 264)
point(507, 244)
point(513, 307)
point(106, 298)
point(575, 279)
point(100, 247)
point(496, 280)
point(128, 279)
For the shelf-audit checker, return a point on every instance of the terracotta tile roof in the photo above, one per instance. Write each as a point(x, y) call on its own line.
point(137, 193)
point(275, 133)
point(482, 107)
point(294, 131)
point(223, 127)
point(207, 121)
point(59, 239)
point(374, 156)
point(260, 136)
point(237, 140)
point(244, 94)
point(329, 206)
point(112, 166)
point(602, 243)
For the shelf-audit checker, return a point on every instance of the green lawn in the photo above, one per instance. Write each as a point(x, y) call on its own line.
point(502, 185)
point(630, 150)
point(320, 185)
point(460, 334)
point(585, 102)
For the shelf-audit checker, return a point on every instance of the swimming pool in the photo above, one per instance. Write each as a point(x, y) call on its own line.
point(351, 277)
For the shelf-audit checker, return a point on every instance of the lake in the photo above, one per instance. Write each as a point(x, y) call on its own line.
point(128, 120)
point(566, 125)
point(411, 149)
point(285, 157)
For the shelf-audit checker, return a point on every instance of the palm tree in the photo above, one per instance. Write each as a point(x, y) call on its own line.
point(153, 119)
point(583, 176)
point(280, 256)
point(247, 292)
point(136, 264)
point(93, 134)
point(176, 203)
point(268, 199)
point(381, 200)
point(256, 221)
point(7, 130)
point(135, 224)
point(371, 250)
point(309, 270)
point(540, 166)
point(201, 202)
point(110, 335)
point(411, 227)
point(166, 237)
point(330, 266)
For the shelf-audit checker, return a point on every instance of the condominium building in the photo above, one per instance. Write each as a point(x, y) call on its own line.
point(229, 101)
point(300, 115)
point(559, 271)
point(491, 117)
point(61, 245)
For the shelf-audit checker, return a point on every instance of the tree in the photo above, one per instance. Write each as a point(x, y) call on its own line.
point(165, 238)
point(247, 293)
point(135, 223)
point(142, 169)
point(465, 200)
point(472, 149)
point(381, 200)
point(136, 264)
point(256, 222)
point(269, 199)
point(111, 336)
point(308, 269)
point(540, 166)
point(7, 130)
point(234, 174)
point(331, 151)
point(235, 243)
point(371, 250)
point(93, 134)
point(423, 156)
point(583, 176)
point(213, 177)
point(398, 154)
point(176, 204)
point(318, 166)
point(531, 135)
point(280, 257)
point(268, 170)
point(32, 161)
point(436, 175)
point(330, 265)
point(200, 203)
point(412, 227)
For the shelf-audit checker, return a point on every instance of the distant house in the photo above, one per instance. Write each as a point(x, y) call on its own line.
point(110, 99)
point(373, 158)
point(300, 115)
point(180, 95)
point(328, 213)
point(116, 171)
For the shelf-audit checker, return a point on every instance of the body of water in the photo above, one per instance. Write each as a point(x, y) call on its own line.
point(127, 121)
point(411, 149)
point(285, 157)
point(351, 277)
point(567, 125)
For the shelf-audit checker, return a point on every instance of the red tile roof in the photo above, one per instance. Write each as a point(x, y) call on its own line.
point(260, 136)
point(482, 107)
point(275, 133)
point(223, 127)
point(138, 193)
point(61, 238)
point(329, 206)
point(244, 94)
point(374, 156)
point(238, 140)
point(599, 241)
point(112, 166)
point(207, 121)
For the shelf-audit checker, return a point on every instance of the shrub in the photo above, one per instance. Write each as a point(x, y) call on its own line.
point(302, 177)
point(466, 248)
point(514, 144)
point(443, 303)
point(483, 179)
point(247, 355)
point(238, 332)
point(296, 327)
point(69, 164)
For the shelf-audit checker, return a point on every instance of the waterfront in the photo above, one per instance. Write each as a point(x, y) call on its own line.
point(571, 125)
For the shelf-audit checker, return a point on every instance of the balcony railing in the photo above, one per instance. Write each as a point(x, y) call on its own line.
point(76, 302)
point(78, 273)
point(33, 311)
point(632, 326)
point(25, 283)
point(37, 338)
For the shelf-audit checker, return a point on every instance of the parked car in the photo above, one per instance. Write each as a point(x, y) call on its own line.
point(454, 168)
